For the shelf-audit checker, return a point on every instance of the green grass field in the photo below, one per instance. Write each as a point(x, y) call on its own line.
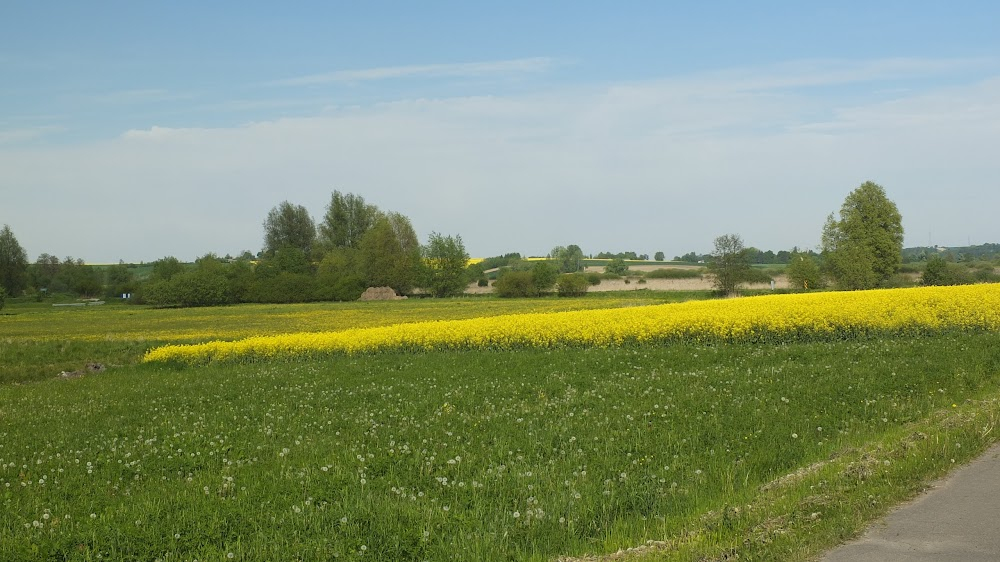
point(765, 452)
point(37, 340)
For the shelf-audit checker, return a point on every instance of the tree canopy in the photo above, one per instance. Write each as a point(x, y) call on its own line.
point(444, 261)
point(569, 258)
point(863, 249)
point(348, 218)
point(729, 263)
point(390, 254)
point(289, 225)
point(13, 263)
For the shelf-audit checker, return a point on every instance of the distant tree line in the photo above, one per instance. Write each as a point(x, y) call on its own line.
point(754, 256)
point(861, 249)
point(625, 256)
point(981, 252)
point(355, 245)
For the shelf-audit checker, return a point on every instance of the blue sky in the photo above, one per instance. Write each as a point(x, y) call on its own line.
point(138, 130)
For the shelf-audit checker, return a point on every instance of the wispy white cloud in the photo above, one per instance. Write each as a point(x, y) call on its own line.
point(645, 166)
point(470, 69)
point(25, 134)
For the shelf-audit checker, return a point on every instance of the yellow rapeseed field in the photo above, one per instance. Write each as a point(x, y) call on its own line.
point(754, 319)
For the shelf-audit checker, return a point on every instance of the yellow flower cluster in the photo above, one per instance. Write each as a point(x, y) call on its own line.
point(765, 318)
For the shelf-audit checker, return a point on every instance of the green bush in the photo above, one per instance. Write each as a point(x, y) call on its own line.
point(936, 272)
point(572, 285)
point(985, 273)
point(3, 297)
point(803, 272)
point(544, 276)
point(188, 288)
point(515, 284)
point(201, 288)
point(941, 272)
point(286, 287)
point(616, 266)
point(757, 275)
point(593, 279)
point(158, 292)
point(339, 288)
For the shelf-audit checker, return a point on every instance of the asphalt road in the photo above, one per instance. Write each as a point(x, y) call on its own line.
point(958, 519)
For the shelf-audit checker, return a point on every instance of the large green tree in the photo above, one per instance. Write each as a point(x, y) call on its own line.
point(119, 280)
point(390, 254)
point(729, 263)
point(13, 263)
point(43, 272)
point(863, 249)
point(75, 276)
point(289, 225)
point(568, 258)
point(348, 218)
point(444, 262)
point(165, 268)
point(339, 275)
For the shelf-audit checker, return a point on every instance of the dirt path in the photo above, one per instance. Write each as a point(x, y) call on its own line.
point(958, 519)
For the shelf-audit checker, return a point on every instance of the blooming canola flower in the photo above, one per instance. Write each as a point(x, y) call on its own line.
point(754, 319)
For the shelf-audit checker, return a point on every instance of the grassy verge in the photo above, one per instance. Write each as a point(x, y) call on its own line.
point(530, 455)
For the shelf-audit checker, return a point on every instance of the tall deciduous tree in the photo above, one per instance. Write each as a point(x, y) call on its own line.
point(864, 248)
point(348, 218)
point(444, 262)
point(75, 276)
point(729, 263)
point(569, 258)
point(390, 254)
point(43, 272)
point(289, 225)
point(13, 263)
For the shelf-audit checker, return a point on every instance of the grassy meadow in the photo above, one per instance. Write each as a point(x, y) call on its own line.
point(37, 340)
point(681, 450)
